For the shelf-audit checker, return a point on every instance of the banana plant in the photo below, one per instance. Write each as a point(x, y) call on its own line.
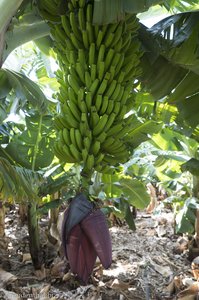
point(88, 44)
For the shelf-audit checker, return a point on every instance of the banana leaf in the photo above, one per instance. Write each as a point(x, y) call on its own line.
point(192, 166)
point(24, 88)
point(113, 10)
point(16, 182)
point(171, 63)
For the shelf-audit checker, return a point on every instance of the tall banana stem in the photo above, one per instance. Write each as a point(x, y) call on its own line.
point(34, 242)
point(196, 194)
point(33, 229)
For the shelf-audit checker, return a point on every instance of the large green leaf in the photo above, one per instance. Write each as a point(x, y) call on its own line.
point(34, 144)
point(17, 183)
point(192, 166)
point(142, 132)
point(24, 88)
point(185, 218)
point(134, 191)
point(180, 44)
point(171, 63)
point(113, 10)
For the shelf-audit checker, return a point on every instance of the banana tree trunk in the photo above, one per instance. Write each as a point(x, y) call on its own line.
point(2, 220)
point(23, 213)
point(196, 194)
point(34, 242)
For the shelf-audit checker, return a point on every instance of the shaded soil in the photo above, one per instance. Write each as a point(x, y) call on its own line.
point(150, 263)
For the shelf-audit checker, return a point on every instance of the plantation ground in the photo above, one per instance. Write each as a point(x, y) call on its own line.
point(147, 264)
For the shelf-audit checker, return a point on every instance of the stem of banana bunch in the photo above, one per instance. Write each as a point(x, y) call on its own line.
point(86, 181)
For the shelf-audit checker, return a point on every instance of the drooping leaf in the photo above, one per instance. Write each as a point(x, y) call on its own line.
point(143, 132)
point(24, 88)
point(171, 70)
point(34, 143)
point(185, 219)
point(113, 10)
point(53, 204)
point(129, 218)
point(192, 166)
point(135, 191)
point(17, 183)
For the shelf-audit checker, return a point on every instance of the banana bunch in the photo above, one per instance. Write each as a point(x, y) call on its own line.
point(98, 67)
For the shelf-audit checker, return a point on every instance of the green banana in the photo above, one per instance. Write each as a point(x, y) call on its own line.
point(81, 19)
point(84, 154)
point(96, 147)
point(75, 153)
point(66, 136)
point(85, 39)
point(66, 24)
point(110, 121)
point(114, 129)
point(101, 69)
point(74, 84)
point(68, 156)
point(87, 143)
point(77, 44)
point(99, 38)
point(103, 108)
point(74, 26)
point(73, 137)
point(108, 58)
point(80, 72)
point(111, 88)
point(102, 86)
point(94, 86)
point(90, 33)
point(94, 117)
point(89, 13)
point(100, 125)
point(93, 71)
point(91, 54)
point(110, 107)
point(90, 162)
point(88, 80)
point(82, 3)
point(88, 100)
point(98, 158)
point(98, 102)
point(78, 138)
point(102, 136)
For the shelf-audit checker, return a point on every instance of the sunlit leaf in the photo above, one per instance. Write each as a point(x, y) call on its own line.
point(134, 191)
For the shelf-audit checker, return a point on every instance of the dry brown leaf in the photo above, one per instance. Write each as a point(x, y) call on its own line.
point(190, 297)
point(7, 295)
point(41, 274)
point(175, 285)
point(195, 267)
point(67, 276)
point(192, 290)
point(44, 293)
point(163, 270)
point(118, 285)
point(58, 269)
point(26, 258)
point(6, 277)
